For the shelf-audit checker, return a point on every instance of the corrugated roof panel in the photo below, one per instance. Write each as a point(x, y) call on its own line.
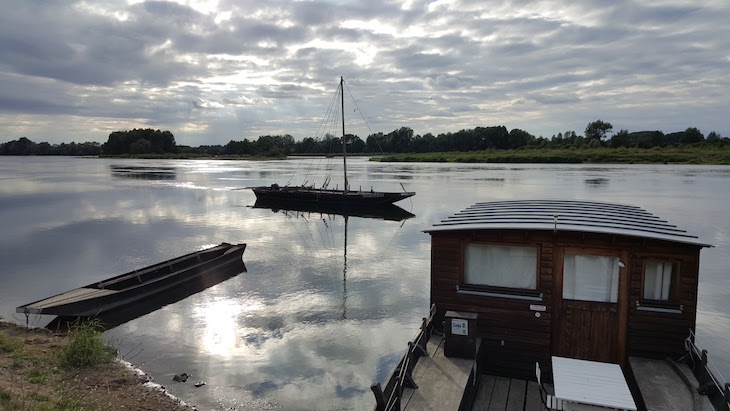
point(581, 216)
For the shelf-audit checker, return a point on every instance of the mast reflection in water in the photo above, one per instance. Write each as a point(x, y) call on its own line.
point(388, 212)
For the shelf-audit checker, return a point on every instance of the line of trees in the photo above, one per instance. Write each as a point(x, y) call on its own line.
point(402, 140)
point(25, 147)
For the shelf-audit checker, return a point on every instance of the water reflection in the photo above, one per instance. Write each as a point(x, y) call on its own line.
point(303, 328)
point(143, 172)
point(597, 182)
point(385, 212)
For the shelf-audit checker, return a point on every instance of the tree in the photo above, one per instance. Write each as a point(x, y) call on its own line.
point(520, 138)
point(621, 139)
point(597, 130)
point(141, 146)
point(692, 135)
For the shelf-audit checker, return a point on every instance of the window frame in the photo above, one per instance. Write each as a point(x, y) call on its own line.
point(674, 293)
point(496, 291)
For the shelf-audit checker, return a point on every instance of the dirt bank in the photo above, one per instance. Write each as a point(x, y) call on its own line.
point(32, 378)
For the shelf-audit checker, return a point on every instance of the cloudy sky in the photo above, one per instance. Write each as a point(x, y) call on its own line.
point(211, 71)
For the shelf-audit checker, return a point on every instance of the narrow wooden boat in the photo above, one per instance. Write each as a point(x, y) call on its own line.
point(144, 283)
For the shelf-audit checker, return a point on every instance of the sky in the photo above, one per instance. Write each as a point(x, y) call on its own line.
point(212, 71)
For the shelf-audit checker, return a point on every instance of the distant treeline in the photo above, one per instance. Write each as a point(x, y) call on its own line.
point(144, 142)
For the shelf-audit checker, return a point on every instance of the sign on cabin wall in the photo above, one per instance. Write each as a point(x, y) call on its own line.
point(459, 327)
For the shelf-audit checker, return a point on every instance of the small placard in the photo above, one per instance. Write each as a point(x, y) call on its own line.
point(459, 327)
point(535, 307)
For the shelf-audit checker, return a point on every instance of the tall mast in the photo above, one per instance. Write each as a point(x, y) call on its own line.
point(344, 142)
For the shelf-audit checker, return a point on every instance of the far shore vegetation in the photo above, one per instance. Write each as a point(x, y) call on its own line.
point(478, 145)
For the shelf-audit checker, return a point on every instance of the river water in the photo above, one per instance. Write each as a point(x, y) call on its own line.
point(307, 327)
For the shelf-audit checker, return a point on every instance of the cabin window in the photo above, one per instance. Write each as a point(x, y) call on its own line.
point(500, 266)
point(590, 278)
point(660, 280)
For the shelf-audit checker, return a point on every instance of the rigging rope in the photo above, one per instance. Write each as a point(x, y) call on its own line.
point(376, 140)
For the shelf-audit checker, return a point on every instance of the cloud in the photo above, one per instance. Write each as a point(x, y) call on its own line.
point(252, 68)
point(206, 104)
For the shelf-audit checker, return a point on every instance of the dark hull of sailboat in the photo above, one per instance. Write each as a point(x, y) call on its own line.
point(135, 286)
point(381, 212)
point(333, 197)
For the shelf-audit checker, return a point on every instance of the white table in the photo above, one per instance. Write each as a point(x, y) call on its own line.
point(591, 385)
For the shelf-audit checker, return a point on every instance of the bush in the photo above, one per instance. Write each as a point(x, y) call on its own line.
point(86, 346)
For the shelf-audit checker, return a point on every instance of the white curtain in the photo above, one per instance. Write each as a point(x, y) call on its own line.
point(501, 266)
point(590, 278)
point(657, 280)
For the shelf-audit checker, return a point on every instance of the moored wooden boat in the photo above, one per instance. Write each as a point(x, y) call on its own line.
point(329, 196)
point(131, 287)
point(324, 196)
point(520, 286)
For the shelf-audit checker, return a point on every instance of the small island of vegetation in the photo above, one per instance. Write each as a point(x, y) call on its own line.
point(479, 145)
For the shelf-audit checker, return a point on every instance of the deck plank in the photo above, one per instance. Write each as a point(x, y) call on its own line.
point(441, 380)
point(484, 393)
point(517, 393)
point(533, 401)
point(499, 394)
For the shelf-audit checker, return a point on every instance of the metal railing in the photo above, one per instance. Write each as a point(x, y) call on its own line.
point(389, 399)
point(711, 382)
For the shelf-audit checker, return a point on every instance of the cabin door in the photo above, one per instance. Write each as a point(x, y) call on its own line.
point(591, 292)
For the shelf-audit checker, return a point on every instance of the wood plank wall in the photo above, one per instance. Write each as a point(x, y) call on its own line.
point(515, 338)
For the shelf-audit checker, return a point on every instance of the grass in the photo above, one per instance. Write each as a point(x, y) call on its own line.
point(85, 346)
point(7, 344)
point(42, 372)
point(657, 155)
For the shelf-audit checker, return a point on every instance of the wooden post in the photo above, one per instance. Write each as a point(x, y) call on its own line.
point(704, 376)
point(379, 397)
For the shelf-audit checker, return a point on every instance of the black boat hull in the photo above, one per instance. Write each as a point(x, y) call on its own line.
point(323, 196)
point(145, 283)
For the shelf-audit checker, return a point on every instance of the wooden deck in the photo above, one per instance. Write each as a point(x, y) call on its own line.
point(441, 382)
point(507, 394)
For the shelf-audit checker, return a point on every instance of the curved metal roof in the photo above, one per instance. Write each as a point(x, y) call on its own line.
point(565, 215)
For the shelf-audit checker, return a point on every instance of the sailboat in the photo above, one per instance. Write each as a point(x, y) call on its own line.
point(326, 196)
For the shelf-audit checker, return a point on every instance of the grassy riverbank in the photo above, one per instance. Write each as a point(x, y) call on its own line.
point(669, 155)
point(45, 371)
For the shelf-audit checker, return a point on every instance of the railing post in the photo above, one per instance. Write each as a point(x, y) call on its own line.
point(379, 397)
point(704, 376)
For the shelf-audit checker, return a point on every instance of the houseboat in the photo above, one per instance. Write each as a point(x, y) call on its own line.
point(573, 305)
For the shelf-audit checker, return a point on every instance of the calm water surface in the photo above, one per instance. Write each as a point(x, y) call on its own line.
point(305, 327)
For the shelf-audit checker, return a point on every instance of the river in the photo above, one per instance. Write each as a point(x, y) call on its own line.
point(306, 327)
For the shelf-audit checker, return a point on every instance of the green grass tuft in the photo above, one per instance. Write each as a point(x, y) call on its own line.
point(37, 376)
point(6, 344)
point(86, 347)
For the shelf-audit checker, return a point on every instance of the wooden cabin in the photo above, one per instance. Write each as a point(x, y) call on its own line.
point(578, 279)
